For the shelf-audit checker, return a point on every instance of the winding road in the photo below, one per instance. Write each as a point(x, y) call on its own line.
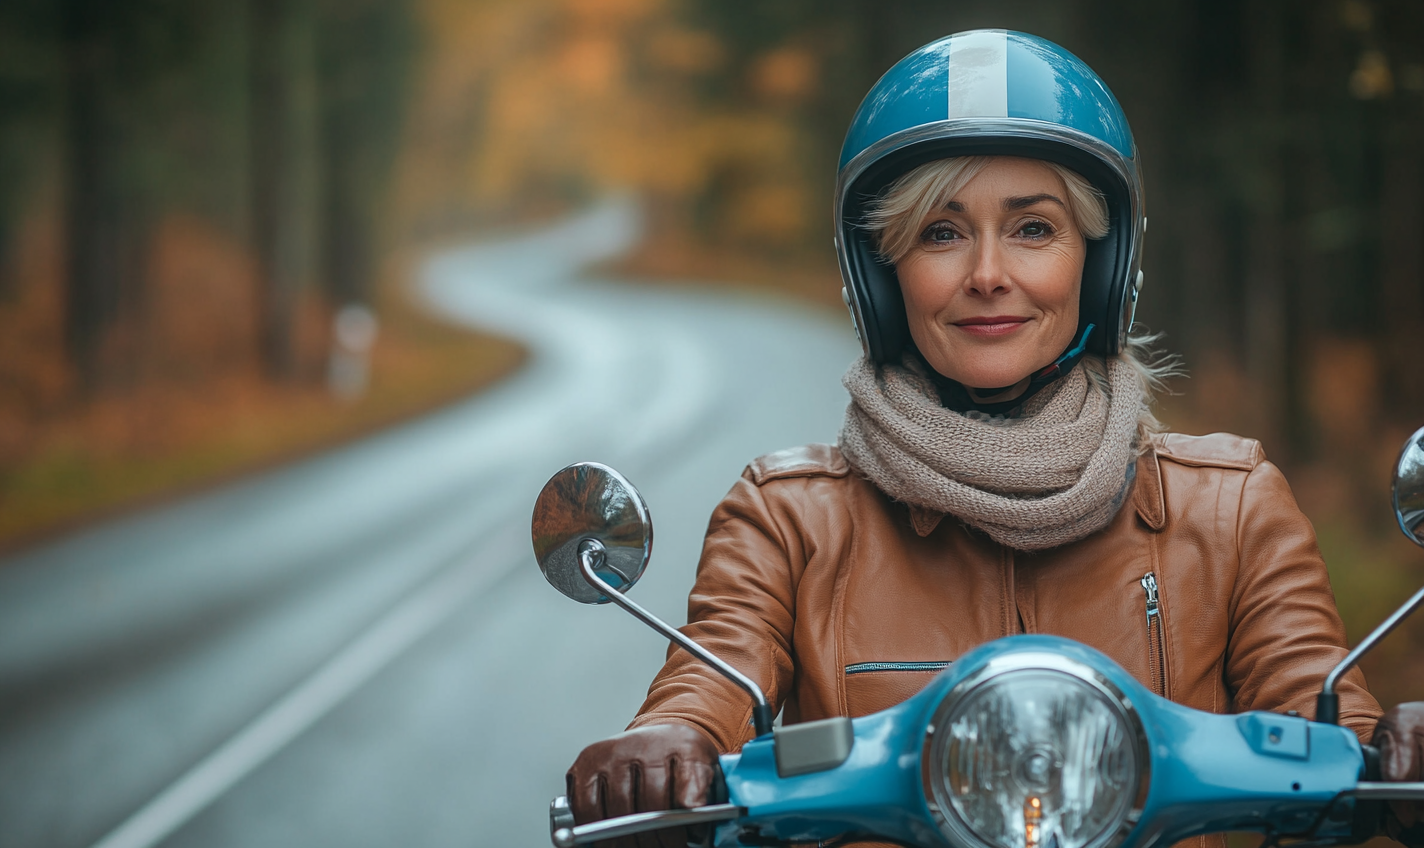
point(357, 649)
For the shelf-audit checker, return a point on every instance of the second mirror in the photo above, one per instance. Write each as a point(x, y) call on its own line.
point(1409, 488)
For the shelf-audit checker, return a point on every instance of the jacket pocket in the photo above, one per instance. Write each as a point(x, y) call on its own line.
point(862, 668)
point(873, 686)
point(1156, 657)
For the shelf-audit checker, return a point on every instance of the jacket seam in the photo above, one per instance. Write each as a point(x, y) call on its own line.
point(1234, 601)
point(1236, 545)
point(761, 478)
point(1025, 595)
point(838, 589)
point(1219, 684)
point(1010, 603)
point(1237, 465)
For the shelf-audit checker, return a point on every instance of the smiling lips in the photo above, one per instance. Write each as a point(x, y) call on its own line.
point(991, 325)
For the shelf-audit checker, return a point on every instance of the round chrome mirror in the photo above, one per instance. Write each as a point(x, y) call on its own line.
point(1409, 488)
point(583, 502)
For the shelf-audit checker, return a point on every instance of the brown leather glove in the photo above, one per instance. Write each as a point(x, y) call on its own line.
point(1400, 737)
point(658, 767)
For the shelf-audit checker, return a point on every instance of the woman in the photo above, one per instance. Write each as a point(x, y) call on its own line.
point(998, 471)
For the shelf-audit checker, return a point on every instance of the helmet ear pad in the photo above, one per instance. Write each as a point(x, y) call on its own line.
point(1105, 272)
point(882, 305)
point(1107, 266)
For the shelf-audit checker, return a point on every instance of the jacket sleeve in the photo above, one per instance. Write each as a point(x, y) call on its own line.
point(742, 608)
point(1286, 634)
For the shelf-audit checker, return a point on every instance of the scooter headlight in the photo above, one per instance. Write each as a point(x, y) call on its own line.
point(1036, 751)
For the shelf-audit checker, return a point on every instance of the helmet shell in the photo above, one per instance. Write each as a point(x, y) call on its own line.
point(978, 93)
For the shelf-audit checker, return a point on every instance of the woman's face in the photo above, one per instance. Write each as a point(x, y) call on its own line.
point(991, 287)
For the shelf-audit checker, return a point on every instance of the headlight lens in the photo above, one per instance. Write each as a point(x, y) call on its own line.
point(1036, 757)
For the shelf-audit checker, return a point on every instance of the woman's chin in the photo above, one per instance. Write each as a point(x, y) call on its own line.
point(984, 379)
point(994, 366)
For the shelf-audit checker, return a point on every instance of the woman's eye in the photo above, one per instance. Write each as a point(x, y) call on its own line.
point(1035, 229)
point(938, 234)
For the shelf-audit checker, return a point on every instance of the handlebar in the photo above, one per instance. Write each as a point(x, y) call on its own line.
point(1381, 791)
point(567, 835)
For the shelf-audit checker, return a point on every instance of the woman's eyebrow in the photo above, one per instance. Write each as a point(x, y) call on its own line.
point(1012, 204)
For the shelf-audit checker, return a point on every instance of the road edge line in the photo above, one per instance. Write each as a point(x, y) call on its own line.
point(336, 679)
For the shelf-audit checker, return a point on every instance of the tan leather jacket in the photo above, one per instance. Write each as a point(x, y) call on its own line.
point(840, 601)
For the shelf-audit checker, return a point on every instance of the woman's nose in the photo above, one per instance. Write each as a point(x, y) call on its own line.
point(988, 275)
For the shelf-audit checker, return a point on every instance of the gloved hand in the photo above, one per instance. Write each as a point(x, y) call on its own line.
point(1400, 737)
point(659, 767)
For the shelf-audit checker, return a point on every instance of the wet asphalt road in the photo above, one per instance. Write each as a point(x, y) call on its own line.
point(357, 650)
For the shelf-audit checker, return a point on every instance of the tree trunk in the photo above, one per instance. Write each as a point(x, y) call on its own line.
point(1402, 264)
point(1266, 318)
point(92, 244)
point(346, 210)
point(282, 116)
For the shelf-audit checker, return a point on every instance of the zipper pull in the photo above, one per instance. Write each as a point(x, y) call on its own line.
point(1149, 584)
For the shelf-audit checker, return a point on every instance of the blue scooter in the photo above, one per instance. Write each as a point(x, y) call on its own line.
point(1025, 742)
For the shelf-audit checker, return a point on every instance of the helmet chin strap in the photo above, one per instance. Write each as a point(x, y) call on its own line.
point(1063, 364)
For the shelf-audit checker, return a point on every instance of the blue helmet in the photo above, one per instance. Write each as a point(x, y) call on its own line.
point(990, 92)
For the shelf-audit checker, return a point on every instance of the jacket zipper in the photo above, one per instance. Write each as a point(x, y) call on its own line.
point(1155, 656)
point(858, 668)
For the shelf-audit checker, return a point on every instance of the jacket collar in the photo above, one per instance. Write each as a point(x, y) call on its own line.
point(1146, 498)
point(1147, 493)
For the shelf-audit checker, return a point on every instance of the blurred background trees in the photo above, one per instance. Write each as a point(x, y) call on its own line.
point(1282, 147)
point(190, 190)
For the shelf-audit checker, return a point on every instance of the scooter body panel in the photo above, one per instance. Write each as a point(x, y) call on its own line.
point(1206, 772)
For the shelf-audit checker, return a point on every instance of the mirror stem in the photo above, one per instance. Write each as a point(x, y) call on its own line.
point(591, 550)
point(1327, 704)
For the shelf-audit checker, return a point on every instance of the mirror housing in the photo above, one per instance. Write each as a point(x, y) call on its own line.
point(583, 503)
point(592, 539)
point(1409, 488)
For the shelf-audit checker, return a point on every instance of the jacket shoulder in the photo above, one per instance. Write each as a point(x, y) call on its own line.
point(1217, 450)
point(813, 460)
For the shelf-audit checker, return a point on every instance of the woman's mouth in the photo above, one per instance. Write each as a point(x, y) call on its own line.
point(991, 325)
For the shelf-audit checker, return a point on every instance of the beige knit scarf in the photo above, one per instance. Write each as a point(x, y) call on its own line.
point(1054, 475)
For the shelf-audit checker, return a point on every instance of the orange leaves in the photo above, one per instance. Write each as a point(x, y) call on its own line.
point(788, 73)
point(561, 100)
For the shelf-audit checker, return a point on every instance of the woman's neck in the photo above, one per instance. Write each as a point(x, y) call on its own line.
point(961, 398)
point(1003, 394)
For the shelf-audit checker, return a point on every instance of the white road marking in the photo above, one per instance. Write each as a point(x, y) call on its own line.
point(285, 720)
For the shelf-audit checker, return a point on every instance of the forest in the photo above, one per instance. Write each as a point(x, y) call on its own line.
point(191, 190)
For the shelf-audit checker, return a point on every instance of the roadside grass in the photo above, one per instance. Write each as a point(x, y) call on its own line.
point(153, 443)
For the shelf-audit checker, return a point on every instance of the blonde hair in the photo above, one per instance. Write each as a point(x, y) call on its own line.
point(896, 216)
point(1153, 367)
point(895, 219)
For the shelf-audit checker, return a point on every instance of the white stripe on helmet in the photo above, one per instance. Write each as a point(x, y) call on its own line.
point(978, 78)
